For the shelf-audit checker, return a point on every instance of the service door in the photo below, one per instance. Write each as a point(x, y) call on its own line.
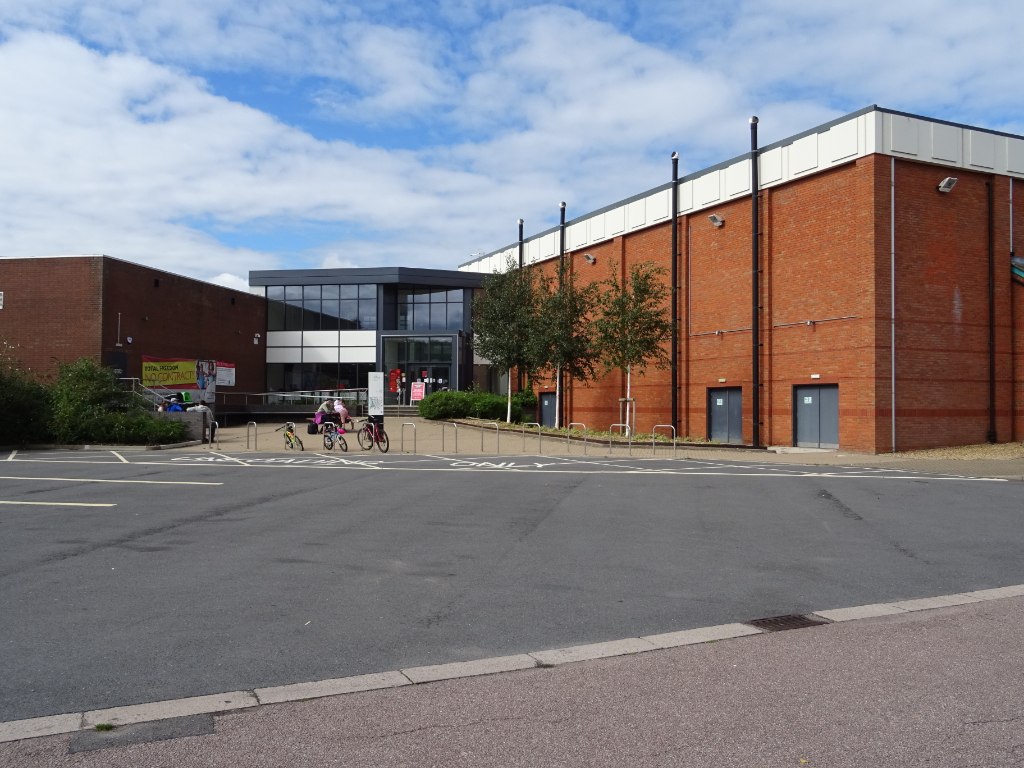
point(547, 408)
point(725, 415)
point(816, 416)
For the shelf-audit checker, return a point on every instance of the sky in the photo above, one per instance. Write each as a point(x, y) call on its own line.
point(213, 137)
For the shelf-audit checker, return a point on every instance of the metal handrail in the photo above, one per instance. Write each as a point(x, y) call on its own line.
point(629, 436)
point(255, 436)
point(402, 441)
point(450, 424)
point(654, 434)
point(540, 444)
point(568, 429)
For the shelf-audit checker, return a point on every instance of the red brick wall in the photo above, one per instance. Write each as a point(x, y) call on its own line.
point(52, 310)
point(57, 310)
point(825, 258)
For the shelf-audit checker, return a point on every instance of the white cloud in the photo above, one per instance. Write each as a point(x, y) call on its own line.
point(115, 141)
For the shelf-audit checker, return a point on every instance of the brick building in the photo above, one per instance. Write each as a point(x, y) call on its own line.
point(890, 315)
point(57, 310)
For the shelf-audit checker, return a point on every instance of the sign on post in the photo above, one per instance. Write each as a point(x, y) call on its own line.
point(416, 391)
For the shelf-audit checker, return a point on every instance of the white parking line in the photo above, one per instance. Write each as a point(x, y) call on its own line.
point(95, 480)
point(55, 504)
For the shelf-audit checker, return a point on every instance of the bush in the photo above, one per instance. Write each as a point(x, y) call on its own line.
point(472, 404)
point(24, 403)
point(89, 405)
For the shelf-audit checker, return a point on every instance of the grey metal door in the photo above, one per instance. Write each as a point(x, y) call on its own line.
point(725, 415)
point(547, 408)
point(816, 416)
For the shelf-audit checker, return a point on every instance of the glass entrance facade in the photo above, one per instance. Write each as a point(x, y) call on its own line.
point(426, 360)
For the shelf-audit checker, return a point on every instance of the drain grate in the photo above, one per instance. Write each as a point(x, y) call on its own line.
point(790, 621)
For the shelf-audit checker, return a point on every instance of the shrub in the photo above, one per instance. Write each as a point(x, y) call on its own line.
point(471, 404)
point(24, 403)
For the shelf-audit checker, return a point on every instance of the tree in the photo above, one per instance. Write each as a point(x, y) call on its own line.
point(563, 340)
point(504, 320)
point(632, 325)
point(24, 402)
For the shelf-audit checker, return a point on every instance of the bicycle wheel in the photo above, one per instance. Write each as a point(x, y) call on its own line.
point(328, 441)
point(382, 441)
point(365, 438)
point(299, 441)
point(342, 443)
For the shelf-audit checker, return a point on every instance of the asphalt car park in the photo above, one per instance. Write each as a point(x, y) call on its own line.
point(140, 576)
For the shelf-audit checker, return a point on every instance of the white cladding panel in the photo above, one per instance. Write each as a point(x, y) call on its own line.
point(357, 355)
point(866, 134)
point(320, 355)
point(320, 339)
point(284, 338)
point(358, 339)
point(284, 354)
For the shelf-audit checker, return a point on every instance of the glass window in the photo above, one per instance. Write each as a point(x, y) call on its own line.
point(440, 350)
point(404, 317)
point(293, 294)
point(330, 292)
point(348, 291)
point(438, 317)
point(421, 296)
point(329, 316)
point(348, 311)
point(455, 294)
point(368, 291)
point(421, 318)
point(368, 314)
point(293, 318)
point(311, 316)
point(311, 292)
point(455, 316)
point(275, 292)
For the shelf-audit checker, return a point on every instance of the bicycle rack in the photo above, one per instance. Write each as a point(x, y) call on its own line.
point(214, 436)
point(629, 437)
point(402, 443)
point(540, 445)
point(569, 429)
point(456, 428)
point(654, 433)
point(255, 436)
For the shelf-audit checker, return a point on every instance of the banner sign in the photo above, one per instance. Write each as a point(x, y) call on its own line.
point(225, 374)
point(416, 391)
point(168, 375)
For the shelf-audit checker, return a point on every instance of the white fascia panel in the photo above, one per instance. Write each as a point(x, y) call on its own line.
point(576, 235)
point(358, 339)
point(320, 355)
point(737, 179)
point(636, 213)
point(685, 197)
point(615, 221)
point(904, 136)
point(842, 140)
point(357, 355)
point(947, 143)
point(770, 168)
point(803, 155)
point(320, 339)
point(284, 354)
point(659, 204)
point(549, 245)
point(284, 338)
point(1015, 155)
point(981, 150)
point(708, 189)
point(597, 228)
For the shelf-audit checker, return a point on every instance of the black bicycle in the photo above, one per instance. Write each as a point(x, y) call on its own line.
point(333, 437)
point(371, 433)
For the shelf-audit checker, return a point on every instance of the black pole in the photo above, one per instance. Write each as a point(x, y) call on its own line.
point(561, 283)
point(755, 282)
point(991, 436)
point(675, 292)
point(520, 243)
point(519, 369)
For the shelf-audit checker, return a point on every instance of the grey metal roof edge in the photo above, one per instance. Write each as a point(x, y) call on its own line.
point(364, 275)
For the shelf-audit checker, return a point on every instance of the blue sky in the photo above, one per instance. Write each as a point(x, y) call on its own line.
point(211, 137)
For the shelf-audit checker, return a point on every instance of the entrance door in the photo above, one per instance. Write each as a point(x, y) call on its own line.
point(816, 416)
point(547, 408)
point(725, 415)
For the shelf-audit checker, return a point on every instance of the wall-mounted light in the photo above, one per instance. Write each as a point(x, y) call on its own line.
point(256, 338)
point(589, 258)
point(947, 184)
point(717, 220)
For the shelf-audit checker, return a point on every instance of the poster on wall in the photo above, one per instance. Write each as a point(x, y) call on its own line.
point(170, 375)
point(225, 374)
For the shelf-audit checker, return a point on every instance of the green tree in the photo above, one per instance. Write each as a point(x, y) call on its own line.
point(632, 325)
point(504, 320)
point(563, 340)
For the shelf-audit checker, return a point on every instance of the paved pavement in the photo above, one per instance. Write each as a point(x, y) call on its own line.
point(927, 682)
